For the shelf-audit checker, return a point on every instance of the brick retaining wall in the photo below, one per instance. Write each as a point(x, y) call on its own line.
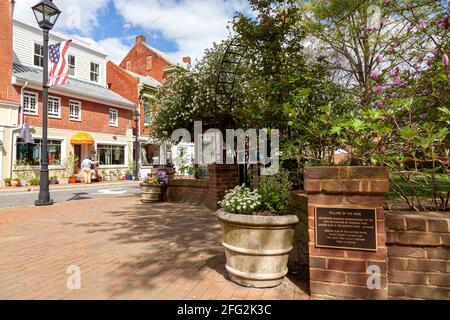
point(188, 190)
point(418, 249)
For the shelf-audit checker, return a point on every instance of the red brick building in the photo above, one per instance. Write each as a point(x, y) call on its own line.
point(82, 107)
point(137, 78)
point(147, 61)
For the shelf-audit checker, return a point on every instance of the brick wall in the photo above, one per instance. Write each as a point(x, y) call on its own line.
point(338, 273)
point(94, 117)
point(418, 249)
point(122, 83)
point(137, 57)
point(188, 190)
point(7, 91)
point(298, 263)
point(222, 177)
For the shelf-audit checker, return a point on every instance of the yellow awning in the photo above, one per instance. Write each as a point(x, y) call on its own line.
point(82, 138)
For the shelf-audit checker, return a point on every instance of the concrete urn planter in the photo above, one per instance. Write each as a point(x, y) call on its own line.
point(150, 193)
point(257, 247)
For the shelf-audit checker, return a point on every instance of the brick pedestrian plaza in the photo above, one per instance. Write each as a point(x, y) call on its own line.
point(124, 249)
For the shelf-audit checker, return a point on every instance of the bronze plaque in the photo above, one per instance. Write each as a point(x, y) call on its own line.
point(346, 228)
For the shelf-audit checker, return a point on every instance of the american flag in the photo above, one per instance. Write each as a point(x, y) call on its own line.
point(58, 69)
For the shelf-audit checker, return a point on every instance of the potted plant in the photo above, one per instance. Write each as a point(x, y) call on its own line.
point(53, 180)
point(63, 180)
point(151, 188)
point(129, 174)
point(34, 181)
point(73, 179)
point(7, 182)
point(257, 233)
point(15, 182)
point(70, 167)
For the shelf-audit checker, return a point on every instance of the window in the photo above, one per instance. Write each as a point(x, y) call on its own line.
point(113, 117)
point(75, 110)
point(30, 103)
point(71, 65)
point(54, 107)
point(30, 154)
point(94, 72)
point(149, 63)
point(111, 155)
point(128, 65)
point(147, 115)
point(38, 55)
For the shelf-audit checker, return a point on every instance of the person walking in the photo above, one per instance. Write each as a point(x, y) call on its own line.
point(86, 169)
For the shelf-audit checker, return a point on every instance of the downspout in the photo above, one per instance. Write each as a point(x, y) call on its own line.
point(21, 115)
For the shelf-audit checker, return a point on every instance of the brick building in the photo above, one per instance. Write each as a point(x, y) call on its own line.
point(137, 78)
point(85, 117)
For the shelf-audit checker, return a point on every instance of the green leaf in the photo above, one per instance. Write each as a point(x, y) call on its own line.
point(358, 125)
point(407, 133)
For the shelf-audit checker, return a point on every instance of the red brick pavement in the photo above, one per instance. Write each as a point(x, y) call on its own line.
point(125, 250)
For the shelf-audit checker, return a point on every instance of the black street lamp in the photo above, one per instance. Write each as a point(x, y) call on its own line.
point(137, 116)
point(46, 14)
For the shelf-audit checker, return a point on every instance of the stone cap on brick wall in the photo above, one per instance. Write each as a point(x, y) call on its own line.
point(347, 179)
point(189, 182)
point(418, 229)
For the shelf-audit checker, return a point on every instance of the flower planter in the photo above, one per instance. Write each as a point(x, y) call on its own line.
point(257, 247)
point(72, 180)
point(23, 183)
point(129, 178)
point(63, 180)
point(150, 193)
point(15, 184)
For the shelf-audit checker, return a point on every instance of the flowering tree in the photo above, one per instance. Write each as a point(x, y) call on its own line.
point(403, 121)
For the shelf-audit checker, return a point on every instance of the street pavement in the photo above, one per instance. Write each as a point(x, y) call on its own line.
point(115, 247)
point(10, 198)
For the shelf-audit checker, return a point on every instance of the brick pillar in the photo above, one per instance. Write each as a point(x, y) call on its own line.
point(6, 49)
point(342, 273)
point(222, 177)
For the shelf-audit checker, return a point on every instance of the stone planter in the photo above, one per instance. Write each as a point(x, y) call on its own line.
point(257, 247)
point(15, 183)
point(63, 180)
point(150, 193)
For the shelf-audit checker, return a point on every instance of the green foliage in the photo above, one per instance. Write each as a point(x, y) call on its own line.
point(34, 181)
point(274, 191)
point(7, 180)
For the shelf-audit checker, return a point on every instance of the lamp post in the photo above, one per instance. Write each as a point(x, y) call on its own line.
point(137, 116)
point(46, 14)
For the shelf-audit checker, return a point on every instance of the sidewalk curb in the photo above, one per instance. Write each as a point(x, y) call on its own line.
point(66, 186)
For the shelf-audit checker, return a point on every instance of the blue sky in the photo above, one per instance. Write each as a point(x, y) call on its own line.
point(177, 27)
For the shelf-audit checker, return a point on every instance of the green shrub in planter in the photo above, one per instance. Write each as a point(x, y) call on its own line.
point(34, 181)
point(274, 191)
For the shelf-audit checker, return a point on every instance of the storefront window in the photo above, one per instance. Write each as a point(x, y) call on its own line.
point(150, 154)
point(111, 154)
point(30, 154)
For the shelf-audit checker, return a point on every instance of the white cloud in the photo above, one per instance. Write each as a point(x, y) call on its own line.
point(192, 24)
point(79, 15)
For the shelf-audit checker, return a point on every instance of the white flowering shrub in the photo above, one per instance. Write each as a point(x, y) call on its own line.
point(241, 200)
